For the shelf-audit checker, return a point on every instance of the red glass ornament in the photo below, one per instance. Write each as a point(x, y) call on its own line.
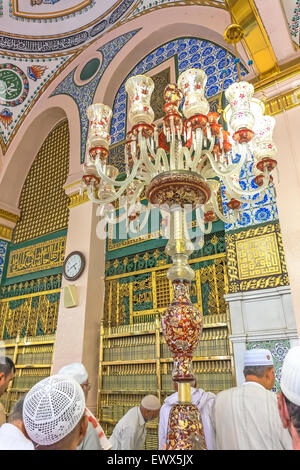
point(266, 163)
point(233, 204)
point(100, 152)
point(185, 428)
point(182, 327)
point(210, 216)
point(243, 135)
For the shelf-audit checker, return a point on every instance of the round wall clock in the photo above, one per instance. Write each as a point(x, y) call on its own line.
point(73, 265)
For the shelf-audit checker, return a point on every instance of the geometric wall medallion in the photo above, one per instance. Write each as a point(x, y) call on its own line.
point(255, 258)
point(258, 256)
point(14, 85)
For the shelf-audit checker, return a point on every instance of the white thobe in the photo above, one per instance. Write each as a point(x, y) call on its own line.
point(130, 431)
point(204, 402)
point(90, 440)
point(12, 438)
point(247, 418)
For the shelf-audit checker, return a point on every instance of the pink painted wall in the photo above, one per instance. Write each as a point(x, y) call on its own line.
point(286, 137)
point(78, 328)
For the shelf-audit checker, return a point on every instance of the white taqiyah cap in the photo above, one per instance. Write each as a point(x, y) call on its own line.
point(150, 402)
point(258, 357)
point(76, 371)
point(290, 376)
point(52, 409)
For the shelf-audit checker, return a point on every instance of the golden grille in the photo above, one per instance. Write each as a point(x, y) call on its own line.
point(162, 289)
point(43, 202)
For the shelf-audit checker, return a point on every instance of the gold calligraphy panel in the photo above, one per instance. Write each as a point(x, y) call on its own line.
point(46, 255)
point(255, 259)
point(258, 257)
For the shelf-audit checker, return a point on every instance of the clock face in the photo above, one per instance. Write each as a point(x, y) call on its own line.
point(73, 265)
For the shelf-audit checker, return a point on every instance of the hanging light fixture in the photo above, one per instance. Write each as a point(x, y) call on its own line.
point(183, 164)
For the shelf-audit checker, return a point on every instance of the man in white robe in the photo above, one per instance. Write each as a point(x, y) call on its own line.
point(289, 398)
point(13, 435)
point(203, 400)
point(94, 439)
point(130, 431)
point(246, 417)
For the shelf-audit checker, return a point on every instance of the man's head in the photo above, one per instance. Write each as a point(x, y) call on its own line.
point(53, 414)
point(7, 371)
point(193, 383)
point(16, 416)
point(259, 367)
point(289, 398)
point(78, 372)
point(150, 406)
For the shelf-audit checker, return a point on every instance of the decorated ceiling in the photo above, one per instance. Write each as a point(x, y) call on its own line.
point(30, 59)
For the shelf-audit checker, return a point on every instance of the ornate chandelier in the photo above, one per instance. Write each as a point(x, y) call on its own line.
point(180, 163)
point(183, 164)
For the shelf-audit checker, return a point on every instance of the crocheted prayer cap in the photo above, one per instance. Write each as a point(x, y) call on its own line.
point(52, 409)
point(150, 402)
point(76, 371)
point(290, 375)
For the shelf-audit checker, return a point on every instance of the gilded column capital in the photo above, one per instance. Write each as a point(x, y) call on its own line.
point(6, 232)
point(9, 216)
point(73, 192)
point(280, 93)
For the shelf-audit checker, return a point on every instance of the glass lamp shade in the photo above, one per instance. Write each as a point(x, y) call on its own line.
point(239, 96)
point(192, 84)
point(263, 145)
point(257, 108)
point(90, 177)
point(139, 89)
point(99, 116)
point(107, 190)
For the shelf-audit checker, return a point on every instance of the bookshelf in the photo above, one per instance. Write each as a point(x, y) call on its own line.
point(135, 361)
point(33, 360)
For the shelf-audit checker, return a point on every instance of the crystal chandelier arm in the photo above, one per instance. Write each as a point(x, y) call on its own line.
point(158, 157)
point(144, 155)
point(140, 227)
point(226, 220)
point(242, 192)
point(198, 150)
point(230, 169)
point(201, 222)
point(108, 180)
point(138, 191)
point(173, 154)
point(184, 152)
point(91, 190)
point(113, 220)
point(143, 177)
point(162, 156)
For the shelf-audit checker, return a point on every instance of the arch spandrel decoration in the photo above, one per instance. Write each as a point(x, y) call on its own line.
point(30, 290)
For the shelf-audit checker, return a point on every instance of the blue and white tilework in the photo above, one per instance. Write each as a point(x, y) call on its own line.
point(279, 349)
point(256, 211)
point(84, 95)
point(3, 250)
point(189, 53)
